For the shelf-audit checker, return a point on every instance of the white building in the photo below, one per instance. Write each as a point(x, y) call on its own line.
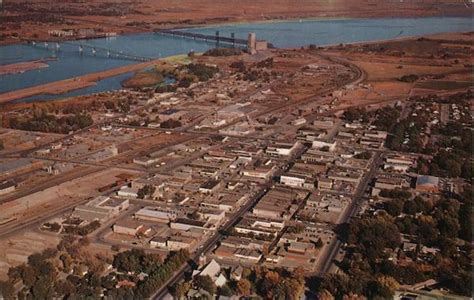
point(282, 149)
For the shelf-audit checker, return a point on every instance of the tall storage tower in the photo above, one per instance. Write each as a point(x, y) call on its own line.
point(252, 43)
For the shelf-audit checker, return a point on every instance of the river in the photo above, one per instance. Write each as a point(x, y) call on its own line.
point(321, 32)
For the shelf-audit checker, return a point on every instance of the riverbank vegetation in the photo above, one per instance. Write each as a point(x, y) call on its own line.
point(142, 79)
point(50, 123)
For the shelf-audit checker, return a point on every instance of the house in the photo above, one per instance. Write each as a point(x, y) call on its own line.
point(236, 273)
point(212, 269)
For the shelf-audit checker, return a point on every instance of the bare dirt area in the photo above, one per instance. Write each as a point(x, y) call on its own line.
point(17, 140)
point(33, 19)
point(60, 195)
point(397, 70)
point(22, 67)
point(16, 249)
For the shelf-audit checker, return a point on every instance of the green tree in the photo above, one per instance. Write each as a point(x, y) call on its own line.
point(180, 289)
point(205, 283)
point(453, 168)
point(394, 207)
point(377, 290)
point(225, 290)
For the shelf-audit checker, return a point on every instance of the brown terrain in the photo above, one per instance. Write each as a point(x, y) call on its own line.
point(33, 19)
point(22, 67)
point(440, 64)
point(441, 61)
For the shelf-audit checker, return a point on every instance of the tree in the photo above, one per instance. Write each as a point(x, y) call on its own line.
point(453, 168)
point(180, 289)
point(410, 207)
point(377, 290)
point(325, 295)
point(294, 288)
point(408, 78)
point(319, 243)
point(205, 283)
point(145, 191)
point(225, 290)
point(43, 288)
point(336, 284)
point(28, 275)
point(64, 288)
point(170, 123)
point(394, 207)
point(128, 261)
point(7, 291)
point(244, 287)
point(448, 226)
point(363, 155)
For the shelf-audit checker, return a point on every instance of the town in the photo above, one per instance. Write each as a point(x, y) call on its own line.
point(324, 171)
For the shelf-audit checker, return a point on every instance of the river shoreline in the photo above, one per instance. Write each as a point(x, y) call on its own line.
point(79, 82)
point(223, 24)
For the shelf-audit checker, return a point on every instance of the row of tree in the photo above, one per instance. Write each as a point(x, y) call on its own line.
point(51, 123)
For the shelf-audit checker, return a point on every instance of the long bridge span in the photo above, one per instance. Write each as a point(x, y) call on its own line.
point(84, 49)
point(232, 40)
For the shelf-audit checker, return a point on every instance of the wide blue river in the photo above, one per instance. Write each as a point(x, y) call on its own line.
point(68, 63)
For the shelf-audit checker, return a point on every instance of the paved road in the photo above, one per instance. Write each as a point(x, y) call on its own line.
point(209, 244)
point(327, 255)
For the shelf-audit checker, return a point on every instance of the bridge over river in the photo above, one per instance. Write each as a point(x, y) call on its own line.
point(84, 49)
point(232, 40)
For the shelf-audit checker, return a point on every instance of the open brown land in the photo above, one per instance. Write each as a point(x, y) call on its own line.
point(33, 19)
point(22, 67)
point(397, 70)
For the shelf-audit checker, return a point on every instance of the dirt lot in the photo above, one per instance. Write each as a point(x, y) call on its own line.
point(439, 64)
point(17, 140)
point(16, 249)
point(21, 18)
